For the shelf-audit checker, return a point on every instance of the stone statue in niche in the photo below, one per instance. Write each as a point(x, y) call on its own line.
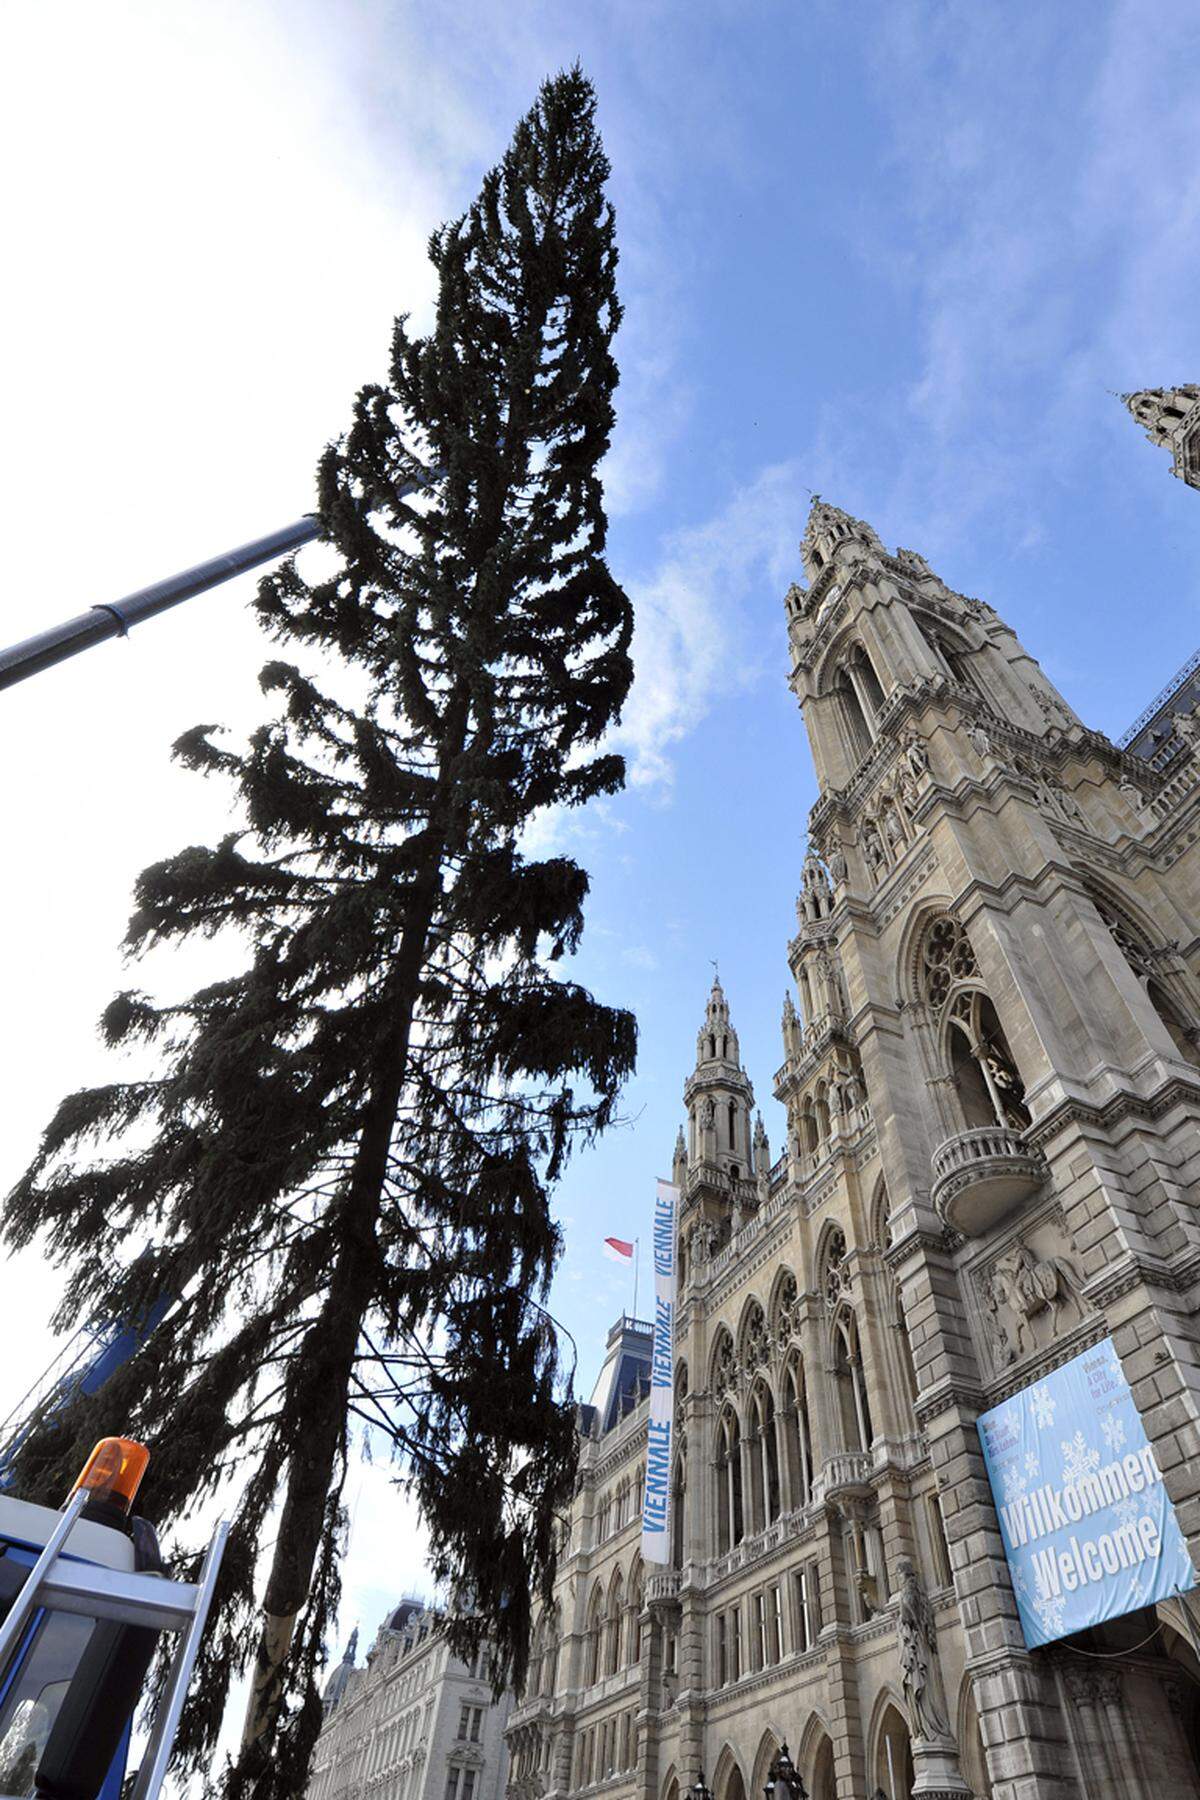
point(1032, 1290)
point(981, 743)
point(876, 855)
point(916, 755)
point(837, 865)
point(919, 1662)
point(1187, 726)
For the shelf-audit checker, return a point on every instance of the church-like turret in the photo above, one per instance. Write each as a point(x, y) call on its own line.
point(1170, 417)
point(718, 1168)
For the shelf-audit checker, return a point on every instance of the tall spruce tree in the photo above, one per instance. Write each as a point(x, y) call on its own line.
point(343, 1155)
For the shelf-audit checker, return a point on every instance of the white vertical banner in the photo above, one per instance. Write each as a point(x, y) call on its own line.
point(656, 1506)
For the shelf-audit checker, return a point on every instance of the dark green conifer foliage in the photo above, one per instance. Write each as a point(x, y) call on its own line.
point(344, 1154)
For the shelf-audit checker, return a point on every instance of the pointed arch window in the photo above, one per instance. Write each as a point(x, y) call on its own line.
point(986, 1077)
point(1141, 959)
point(850, 1384)
point(728, 1462)
point(764, 1459)
point(616, 1607)
point(678, 1510)
point(870, 690)
point(797, 1435)
point(595, 1635)
point(854, 719)
point(637, 1601)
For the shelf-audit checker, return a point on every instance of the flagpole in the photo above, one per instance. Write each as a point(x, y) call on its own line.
point(636, 1257)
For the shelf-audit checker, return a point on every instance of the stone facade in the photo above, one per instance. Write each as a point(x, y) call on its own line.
point(414, 1724)
point(1170, 418)
point(992, 1089)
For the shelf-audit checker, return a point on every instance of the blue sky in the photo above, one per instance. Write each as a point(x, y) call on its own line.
point(897, 253)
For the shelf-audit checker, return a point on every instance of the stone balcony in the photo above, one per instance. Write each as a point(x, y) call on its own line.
point(980, 1177)
point(846, 1476)
point(662, 1589)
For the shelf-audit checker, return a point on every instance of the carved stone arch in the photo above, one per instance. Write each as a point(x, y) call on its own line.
point(728, 1782)
point(722, 1365)
point(816, 1742)
point(835, 656)
point(782, 1315)
point(832, 1246)
point(879, 1214)
point(971, 1755)
point(768, 1749)
point(1140, 941)
point(670, 1780)
point(753, 1339)
point(889, 1720)
point(908, 959)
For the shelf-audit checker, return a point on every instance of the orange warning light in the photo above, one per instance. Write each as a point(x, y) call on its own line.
point(114, 1471)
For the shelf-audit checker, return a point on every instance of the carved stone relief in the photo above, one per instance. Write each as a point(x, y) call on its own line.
point(1029, 1294)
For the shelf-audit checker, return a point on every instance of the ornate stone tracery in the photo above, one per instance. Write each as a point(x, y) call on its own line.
point(947, 958)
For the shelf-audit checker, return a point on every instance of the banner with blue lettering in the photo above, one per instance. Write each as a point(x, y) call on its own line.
point(656, 1507)
point(1088, 1530)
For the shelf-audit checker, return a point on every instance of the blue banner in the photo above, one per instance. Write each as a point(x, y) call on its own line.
point(1088, 1530)
point(656, 1507)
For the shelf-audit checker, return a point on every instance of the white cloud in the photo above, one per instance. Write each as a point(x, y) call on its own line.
point(691, 643)
point(1047, 235)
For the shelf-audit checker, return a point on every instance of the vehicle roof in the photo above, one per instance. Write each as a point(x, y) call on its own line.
point(21, 1522)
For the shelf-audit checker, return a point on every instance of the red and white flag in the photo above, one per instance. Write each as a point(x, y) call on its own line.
point(617, 1250)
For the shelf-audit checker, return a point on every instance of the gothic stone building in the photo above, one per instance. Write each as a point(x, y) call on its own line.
point(991, 1083)
point(414, 1724)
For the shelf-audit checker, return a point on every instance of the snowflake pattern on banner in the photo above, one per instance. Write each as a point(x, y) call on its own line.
point(1050, 1614)
point(1016, 1484)
point(1079, 1459)
point(1113, 1429)
point(1043, 1403)
point(1087, 1526)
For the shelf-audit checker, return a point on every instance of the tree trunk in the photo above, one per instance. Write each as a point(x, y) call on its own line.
point(330, 1347)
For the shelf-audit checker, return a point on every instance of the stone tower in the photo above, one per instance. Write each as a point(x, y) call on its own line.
point(1014, 913)
point(722, 1140)
point(991, 1087)
point(1170, 418)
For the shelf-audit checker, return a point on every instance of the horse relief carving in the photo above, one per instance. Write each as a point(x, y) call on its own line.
point(1030, 1297)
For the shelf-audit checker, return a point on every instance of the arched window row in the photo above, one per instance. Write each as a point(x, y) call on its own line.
point(613, 1632)
point(542, 1678)
point(620, 1505)
point(836, 1105)
point(860, 700)
point(762, 1457)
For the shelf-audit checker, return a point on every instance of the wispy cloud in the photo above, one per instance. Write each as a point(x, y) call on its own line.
point(691, 645)
point(1042, 218)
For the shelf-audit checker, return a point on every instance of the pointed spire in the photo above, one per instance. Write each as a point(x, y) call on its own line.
point(827, 527)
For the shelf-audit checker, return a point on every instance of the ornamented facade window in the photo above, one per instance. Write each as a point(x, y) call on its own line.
point(985, 1075)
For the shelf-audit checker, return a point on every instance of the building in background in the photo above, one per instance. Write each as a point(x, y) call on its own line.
point(414, 1724)
point(991, 1083)
point(1170, 418)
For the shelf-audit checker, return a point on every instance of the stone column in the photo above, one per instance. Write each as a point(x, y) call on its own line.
point(1108, 1687)
point(1081, 1684)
